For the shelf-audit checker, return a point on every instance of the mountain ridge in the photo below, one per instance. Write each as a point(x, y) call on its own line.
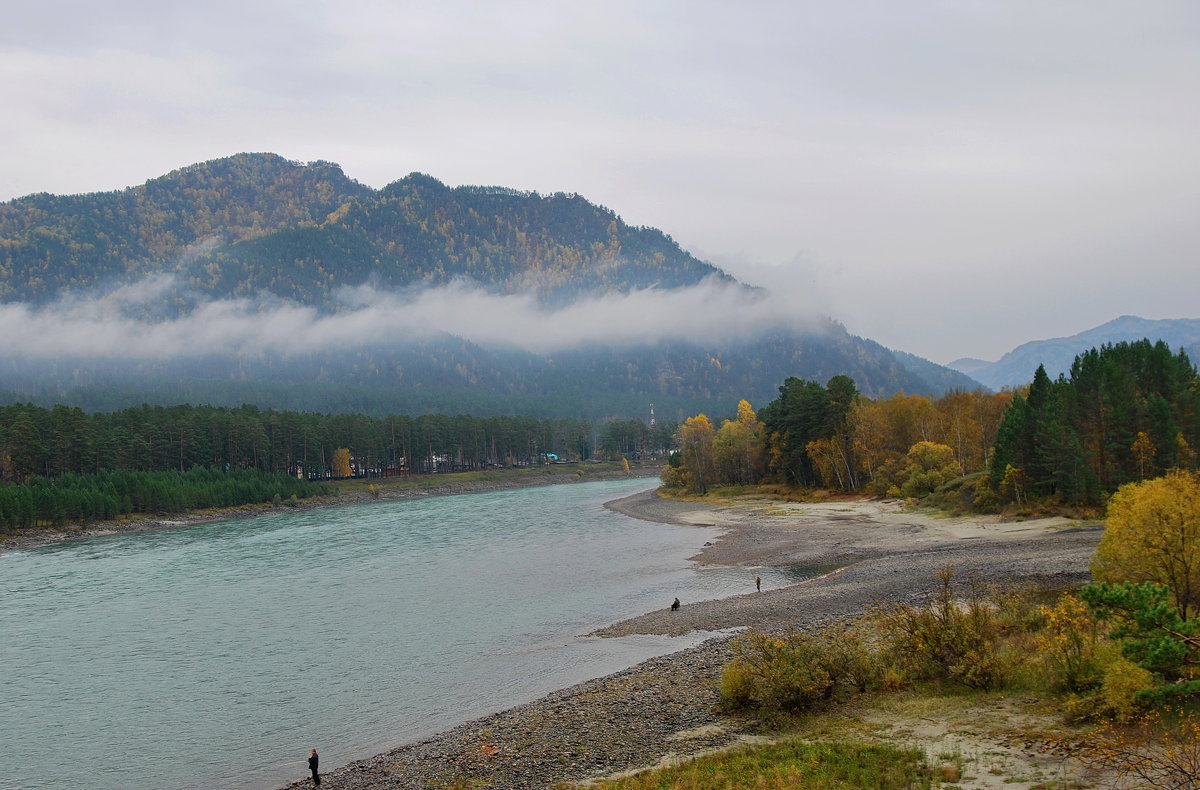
point(257, 230)
point(258, 223)
point(1017, 366)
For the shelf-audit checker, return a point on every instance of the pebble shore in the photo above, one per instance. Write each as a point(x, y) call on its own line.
point(666, 708)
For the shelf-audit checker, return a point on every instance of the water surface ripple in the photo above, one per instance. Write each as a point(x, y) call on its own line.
point(219, 654)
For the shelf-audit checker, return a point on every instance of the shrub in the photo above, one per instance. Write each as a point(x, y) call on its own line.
point(850, 662)
point(796, 671)
point(775, 673)
point(985, 499)
point(1070, 641)
point(949, 638)
point(673, 477)
point(1123, 680)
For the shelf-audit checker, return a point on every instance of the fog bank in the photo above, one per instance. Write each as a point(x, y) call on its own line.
point(124, 323)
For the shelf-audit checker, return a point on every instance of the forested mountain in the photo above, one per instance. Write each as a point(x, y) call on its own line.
point(1017, 367)
point(258, 233)
point(935, 378)
point(256, 224)
point(449, 375)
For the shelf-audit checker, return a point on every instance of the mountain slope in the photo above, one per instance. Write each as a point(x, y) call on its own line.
point(258, 236)
point(255, 224)
point(446, 374)
point(1017, 366)
point(934, 377)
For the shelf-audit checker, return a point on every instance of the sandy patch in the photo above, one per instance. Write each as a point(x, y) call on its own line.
point(885, 551)
point(887, 514)
point(993, 743)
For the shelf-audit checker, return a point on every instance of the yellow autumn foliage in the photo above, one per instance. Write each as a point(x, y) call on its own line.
point(1153, 535)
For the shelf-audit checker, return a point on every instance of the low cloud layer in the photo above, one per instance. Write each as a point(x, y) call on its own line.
point(963, 177)
point(110, 326)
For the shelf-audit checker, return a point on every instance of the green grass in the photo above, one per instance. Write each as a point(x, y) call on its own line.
point(793, 764)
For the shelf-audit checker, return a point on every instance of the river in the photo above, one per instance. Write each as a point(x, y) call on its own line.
point(217, 655)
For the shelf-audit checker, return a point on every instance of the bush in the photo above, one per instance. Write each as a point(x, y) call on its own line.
point(1122, 683)
point(673, 477)
point(985, 499)
point(850, 662)
point(797, 671)
point(948, 639)
point(775, 673)
point(1070, 641)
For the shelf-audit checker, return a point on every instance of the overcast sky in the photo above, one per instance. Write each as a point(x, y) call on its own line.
point(948, 178)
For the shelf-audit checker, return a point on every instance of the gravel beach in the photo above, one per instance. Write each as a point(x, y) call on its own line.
point(665, 708)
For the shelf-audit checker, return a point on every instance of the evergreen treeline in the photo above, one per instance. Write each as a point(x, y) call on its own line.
point(75, 498)
point(1126, 412)
point(63, 465)
point(55, 442)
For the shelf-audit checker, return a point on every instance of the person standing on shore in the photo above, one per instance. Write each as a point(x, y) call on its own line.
point(675, 606)
point(758, 583)
point(312, 766)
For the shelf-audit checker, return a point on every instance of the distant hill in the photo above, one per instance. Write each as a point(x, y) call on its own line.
point(936, 378)
point(260, 228)
point(968, 365)
point(1017, 366)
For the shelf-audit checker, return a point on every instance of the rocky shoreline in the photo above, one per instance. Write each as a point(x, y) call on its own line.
point(666, 708)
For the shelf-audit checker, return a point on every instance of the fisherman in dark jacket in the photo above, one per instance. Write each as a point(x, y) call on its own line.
point(312, 766)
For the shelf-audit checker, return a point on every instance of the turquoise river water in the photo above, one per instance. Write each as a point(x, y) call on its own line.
point(217, 655)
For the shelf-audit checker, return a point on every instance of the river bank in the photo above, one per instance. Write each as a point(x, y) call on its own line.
point(665, 708)
point(344, 493)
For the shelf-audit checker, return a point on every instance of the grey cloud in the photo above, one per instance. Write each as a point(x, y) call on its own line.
point(919, 153)
point(108, 326)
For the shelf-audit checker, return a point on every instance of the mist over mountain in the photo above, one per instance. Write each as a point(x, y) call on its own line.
point(1018, 366)
point(448, 374)
point(256, 279)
